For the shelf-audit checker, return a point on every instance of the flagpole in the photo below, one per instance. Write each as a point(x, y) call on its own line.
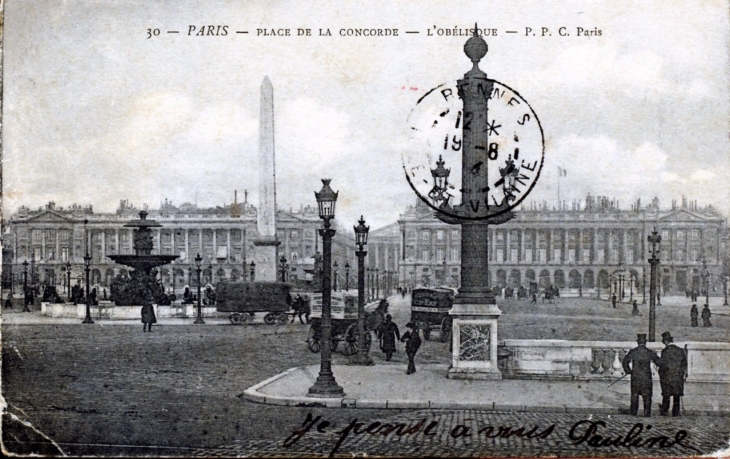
point(560, 172)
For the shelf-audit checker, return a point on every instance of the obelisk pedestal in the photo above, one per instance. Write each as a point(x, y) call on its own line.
point(265, 243)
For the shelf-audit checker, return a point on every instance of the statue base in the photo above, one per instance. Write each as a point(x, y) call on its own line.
point(265, 255)
point(474, 341)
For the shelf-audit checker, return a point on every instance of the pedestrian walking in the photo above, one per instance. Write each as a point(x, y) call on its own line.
point(672, 373)
point(534, 297)
point(706, 314)
point(413, 342)
point(9, 303)
point(613, 300)
point(637, 363)
point(389, 335)
point(693, 314)
point(635, 311)
point(148, 317)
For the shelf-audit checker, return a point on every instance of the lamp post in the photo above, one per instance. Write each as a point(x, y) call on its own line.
point(334, 277)
point(631, 287)
point(326, 386)
point(643, 285)
point(361, 239)
point(369, 284)
point(377, 283)
point(68, 280)
point(253, 271)
point(25, 287)
point(724, 287)
point(282, 265)
point(198, 269)
point(654, 239)
point(347, 275)
point(706, 280)
point(87, 268)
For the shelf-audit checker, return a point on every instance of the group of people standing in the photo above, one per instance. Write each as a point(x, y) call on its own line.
point(389, 335)
point(706, 314)
point(672, 366)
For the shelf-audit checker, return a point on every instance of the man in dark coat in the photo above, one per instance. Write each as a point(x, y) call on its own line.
point(613, 300)
point(672, 371)
point(693, 314)
point(637, 363)
point(413, 342)
point(706, 314)
point(635, 311)
point(388, 335)
point(148, 317)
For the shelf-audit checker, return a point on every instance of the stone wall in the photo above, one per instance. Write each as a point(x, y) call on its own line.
point(568, 360)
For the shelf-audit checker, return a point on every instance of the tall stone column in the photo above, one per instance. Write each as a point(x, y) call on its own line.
point(266, 243)
point(475, 312)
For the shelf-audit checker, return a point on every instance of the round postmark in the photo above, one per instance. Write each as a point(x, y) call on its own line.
point(473, 164)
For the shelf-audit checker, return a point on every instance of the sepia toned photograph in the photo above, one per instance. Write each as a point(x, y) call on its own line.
point(389, 229)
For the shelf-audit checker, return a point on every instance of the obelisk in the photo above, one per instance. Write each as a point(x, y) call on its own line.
point(266, 244)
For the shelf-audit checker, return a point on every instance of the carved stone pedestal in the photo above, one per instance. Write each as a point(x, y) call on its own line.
point(474, 342)
point(266, 258)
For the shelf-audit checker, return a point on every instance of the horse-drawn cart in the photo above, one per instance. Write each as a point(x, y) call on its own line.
point(344, 322)
point(430, 310)
point(243, 299)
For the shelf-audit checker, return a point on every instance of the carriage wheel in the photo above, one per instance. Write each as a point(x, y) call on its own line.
point(235, 318)
point(426, 331)
point(270, 318)
point(281, 319)
point(313, 341)
point(445, 329)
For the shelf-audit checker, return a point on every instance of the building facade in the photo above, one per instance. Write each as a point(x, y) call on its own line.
point(52, 239)
point(593, 248)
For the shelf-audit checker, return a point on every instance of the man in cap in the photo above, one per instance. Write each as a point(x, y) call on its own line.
point(672, 371)
point(637, 363)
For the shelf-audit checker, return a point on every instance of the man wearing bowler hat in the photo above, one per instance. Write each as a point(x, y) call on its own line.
point(672, 371)
point(637, 363)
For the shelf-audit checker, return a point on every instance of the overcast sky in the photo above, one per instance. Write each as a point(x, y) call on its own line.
point(95, 112)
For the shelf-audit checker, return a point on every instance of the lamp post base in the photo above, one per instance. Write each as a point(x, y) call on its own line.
point(361, 360)
point(199, 320)
point(88, 320)
point(326, 387)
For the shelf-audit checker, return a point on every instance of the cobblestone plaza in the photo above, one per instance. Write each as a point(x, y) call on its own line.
point(110, 389)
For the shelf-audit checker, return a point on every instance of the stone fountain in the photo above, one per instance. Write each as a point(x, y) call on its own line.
point(141, 285)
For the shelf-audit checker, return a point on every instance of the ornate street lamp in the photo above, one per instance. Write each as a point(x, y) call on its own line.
point(68, 280)
point(347, 275)
point(334, 277)
point(198, 269)
point(87, 268)
point(361, 239)
point(724, 287)
point(282, 264)
point(705, 280)
point(643, 285)
point(654, 239)
point(25, 287)
point(326, 386)
point(253, 271)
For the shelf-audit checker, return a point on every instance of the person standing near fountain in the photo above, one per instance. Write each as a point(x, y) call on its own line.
point(148, 317)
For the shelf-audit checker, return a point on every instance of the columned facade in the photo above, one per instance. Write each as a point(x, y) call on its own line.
point(580, 251)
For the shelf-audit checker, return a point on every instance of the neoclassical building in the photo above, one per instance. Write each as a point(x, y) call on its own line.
point(591, 248)
point(51, 237)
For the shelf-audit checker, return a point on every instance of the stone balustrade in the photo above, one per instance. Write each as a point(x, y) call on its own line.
point(587, 360)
